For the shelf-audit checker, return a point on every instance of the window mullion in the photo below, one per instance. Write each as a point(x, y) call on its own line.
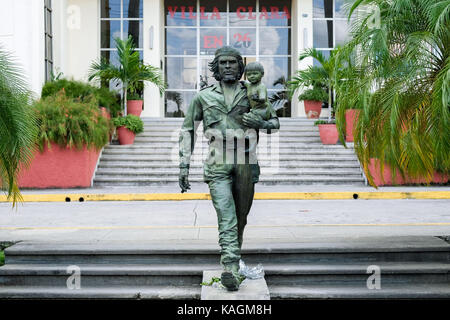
point(198, 46)
point(121, 20)
point(228, 23)
point(257, 30)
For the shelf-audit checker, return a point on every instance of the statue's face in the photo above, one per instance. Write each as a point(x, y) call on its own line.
point(228, 68)
point(254, 76)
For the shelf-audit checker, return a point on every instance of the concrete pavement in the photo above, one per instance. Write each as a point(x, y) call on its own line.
point(195, 220)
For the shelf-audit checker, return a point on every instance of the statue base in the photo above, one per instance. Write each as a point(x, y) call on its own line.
point(248, 290)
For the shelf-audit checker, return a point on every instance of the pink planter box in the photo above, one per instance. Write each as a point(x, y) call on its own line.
point(374, 169)
point(351, 117)
point(60, 168)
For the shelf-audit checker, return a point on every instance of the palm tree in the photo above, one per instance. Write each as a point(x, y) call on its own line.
point(324, 76)
point(131, 71)
point(17, 125)
point(402, 67)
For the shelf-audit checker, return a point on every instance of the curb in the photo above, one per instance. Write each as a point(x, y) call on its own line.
point(69, 197)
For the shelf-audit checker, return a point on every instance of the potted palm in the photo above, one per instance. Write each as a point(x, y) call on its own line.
point(349, 96)
point(313, 99)
point(318, 77)
point(130, 71)
point(327, 131)
point(128, 127)
point(403, 83)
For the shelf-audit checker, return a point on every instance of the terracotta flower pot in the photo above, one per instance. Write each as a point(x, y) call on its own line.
point(351, 116)
point(328, 133)
point(105, 113)
point(126, 136)
point(134, 107)
point(385, 178)
point(313, 109)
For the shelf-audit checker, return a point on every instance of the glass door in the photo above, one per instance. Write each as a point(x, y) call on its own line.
point(195, 29)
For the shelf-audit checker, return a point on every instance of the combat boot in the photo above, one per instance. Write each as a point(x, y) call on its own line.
point(231, 279)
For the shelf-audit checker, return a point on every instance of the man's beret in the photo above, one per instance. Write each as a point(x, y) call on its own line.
point(228, 51)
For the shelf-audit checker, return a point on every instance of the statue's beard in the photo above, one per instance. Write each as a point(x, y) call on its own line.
point(229, 77)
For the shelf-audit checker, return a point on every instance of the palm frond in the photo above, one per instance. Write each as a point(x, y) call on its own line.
point(17, 125)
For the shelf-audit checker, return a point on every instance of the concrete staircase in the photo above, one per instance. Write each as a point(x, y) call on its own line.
point(410, 267)
point(295, 155)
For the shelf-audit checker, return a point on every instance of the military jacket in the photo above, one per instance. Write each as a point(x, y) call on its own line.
point(209, 106)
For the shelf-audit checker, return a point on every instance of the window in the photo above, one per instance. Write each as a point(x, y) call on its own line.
point(48, 40)
point(195, 29)
point(120, 19)
point(330, 25)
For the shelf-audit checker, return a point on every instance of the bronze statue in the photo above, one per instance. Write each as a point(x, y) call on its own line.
point(231, 169)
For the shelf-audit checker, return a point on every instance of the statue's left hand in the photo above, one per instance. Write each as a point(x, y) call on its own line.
point(253, 121)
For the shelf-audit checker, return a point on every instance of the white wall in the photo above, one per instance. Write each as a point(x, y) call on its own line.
point(60, 36)
point(22, 33)
point(83, 37)
point(153, 17)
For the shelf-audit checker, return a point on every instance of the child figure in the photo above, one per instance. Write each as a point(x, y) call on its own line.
point(259, 105)
point(256, 90)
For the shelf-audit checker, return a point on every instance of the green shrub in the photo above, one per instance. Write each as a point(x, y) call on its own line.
point(134, 96)
point(73, 89)
point(324, 122)
point(131, 122)
point(109, 99)
point(82, 91)
point(70, 123)
point(315, 94)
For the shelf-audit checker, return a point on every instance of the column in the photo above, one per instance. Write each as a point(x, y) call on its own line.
point(303, 39)
point(153, 52)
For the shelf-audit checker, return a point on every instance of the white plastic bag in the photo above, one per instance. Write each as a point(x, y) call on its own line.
point(251, 273)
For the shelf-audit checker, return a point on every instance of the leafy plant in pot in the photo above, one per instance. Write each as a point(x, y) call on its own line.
point(134, 104)
point(130, 71)
point(71, 134)
point(323, 76)
point(328, 131)
point(128, 127)
point(313, 99)
point(403, 81)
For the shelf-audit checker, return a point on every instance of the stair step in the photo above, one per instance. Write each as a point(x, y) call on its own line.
point(96, 276)
point(392, 272)
point(199, 157)
point(366, 250)
point(138, 292)
point(163, 165)
point(263, 178)
point(198, 172)
point(281, 146)
point(390, 291)
point(312, 138)
point(205, 151)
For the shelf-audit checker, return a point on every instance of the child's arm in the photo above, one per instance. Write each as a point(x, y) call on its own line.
point(262, 92)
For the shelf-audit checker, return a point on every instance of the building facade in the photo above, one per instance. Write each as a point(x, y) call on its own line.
point(179, 36)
